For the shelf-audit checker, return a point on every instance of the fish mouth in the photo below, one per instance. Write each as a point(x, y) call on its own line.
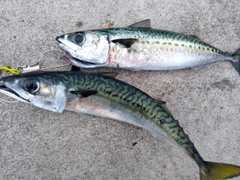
point(71, 57)
point(80, 63)
point(9, 92)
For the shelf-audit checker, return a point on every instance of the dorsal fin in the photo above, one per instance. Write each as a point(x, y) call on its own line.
point(194, 36)
point(163, 103)
point(142, 24)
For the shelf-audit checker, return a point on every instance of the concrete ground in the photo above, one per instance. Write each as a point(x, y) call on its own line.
point(39, 144)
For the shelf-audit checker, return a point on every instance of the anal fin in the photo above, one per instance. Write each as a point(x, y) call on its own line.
point(108, 74)
point(86, 116)
point(196, 68)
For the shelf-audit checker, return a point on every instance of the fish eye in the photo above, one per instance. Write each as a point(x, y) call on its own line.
point(79, 38)
point(32, 86)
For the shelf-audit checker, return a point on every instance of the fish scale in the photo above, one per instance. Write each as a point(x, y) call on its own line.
point(139, 47)
point(140, 101)
point(162, 49)
point(95, 94)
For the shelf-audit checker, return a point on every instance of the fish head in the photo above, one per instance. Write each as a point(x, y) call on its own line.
point(43, 91)
point(86, 48)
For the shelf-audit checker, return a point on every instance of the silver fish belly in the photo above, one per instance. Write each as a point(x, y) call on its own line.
point(163, 54)
point(98, 106)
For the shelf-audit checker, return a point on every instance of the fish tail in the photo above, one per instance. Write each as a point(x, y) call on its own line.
point(219, 171)
point(236, 61)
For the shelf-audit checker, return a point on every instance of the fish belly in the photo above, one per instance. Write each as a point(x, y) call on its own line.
point(102, 107)
point(152, 56)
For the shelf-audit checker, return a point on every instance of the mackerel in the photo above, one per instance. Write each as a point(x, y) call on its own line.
point(139, 47)
point(101, 95)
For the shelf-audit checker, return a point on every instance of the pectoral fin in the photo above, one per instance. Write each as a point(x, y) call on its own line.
point(125, 42)
point(75, 68)
point(142, 24)
point(84, 92)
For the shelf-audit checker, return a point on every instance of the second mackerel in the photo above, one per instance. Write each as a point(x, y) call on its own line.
point(95, 94)
point(139, 47)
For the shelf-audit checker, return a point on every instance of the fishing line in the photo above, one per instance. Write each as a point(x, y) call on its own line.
point(37, 66)
point(34, 67)
point(41, 59)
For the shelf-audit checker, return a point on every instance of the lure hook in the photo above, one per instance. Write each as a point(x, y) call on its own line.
point(37, 66)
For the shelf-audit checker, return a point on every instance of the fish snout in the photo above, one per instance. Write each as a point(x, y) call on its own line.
point(60, 38)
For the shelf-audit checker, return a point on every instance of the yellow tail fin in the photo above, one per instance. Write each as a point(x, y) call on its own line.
point(220, 171)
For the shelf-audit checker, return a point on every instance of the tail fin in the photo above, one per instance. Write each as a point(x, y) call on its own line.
point(220, 171)
point(236, 62)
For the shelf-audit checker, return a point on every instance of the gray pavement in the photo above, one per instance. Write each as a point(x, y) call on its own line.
point(39, 144)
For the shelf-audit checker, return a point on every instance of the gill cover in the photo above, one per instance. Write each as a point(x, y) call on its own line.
point(87, 46)
point(42, 92)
